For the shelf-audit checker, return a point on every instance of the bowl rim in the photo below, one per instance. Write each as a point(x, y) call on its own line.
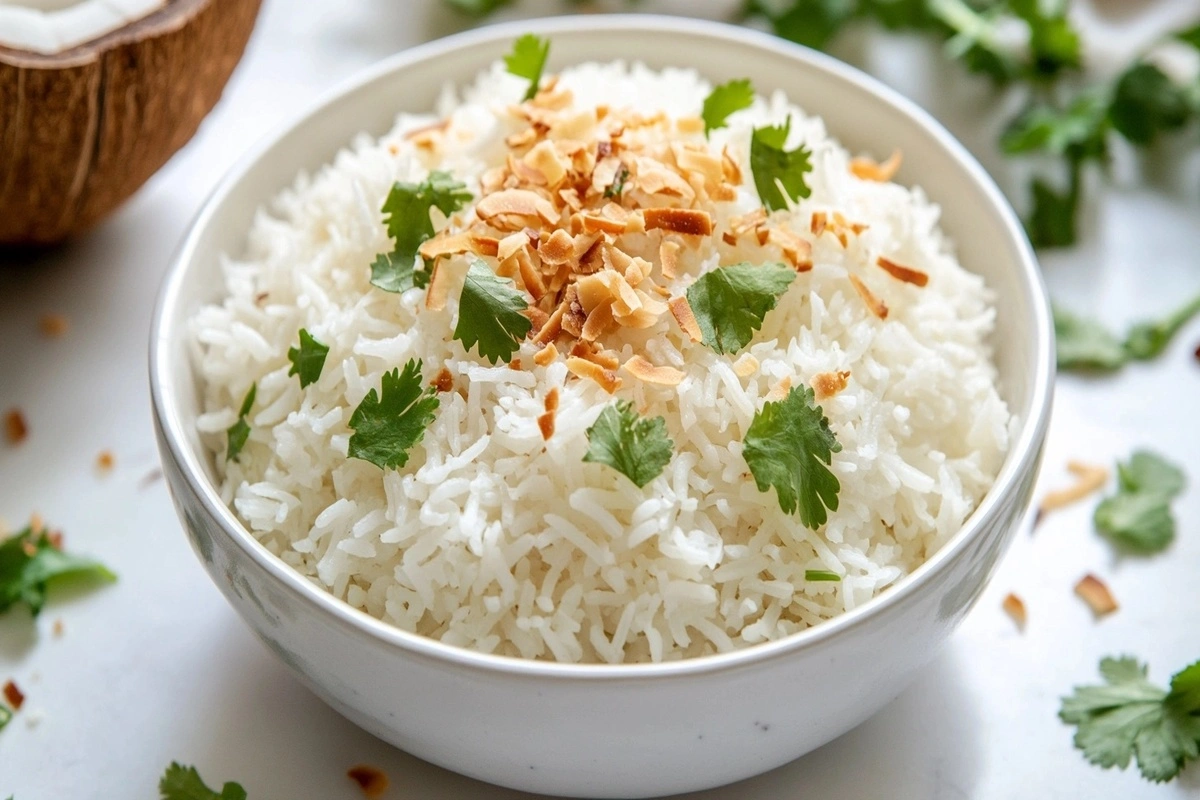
point(1023, 454)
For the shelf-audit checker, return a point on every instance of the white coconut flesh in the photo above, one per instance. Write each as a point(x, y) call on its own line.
point(49, 27)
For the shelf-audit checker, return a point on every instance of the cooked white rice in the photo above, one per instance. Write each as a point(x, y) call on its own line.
point(494, 540)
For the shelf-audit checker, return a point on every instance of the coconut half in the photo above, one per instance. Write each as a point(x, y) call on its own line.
point(96, 95)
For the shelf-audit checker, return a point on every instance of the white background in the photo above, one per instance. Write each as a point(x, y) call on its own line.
point(158, 668)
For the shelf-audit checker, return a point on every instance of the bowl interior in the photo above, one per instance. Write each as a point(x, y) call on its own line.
point(863, 114)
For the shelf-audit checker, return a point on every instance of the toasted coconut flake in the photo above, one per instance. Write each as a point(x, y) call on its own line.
point(689, 125)
point(730, 168)
point(1093, 592)
point(14, 696)
point(483, 245)
point(699, 161)
point(549, 331)
point(873, 303)
point(828, 384)
point(551, 401)
point(509, 245)
point(439, 287)
point(105, 462)
point(16, 430)
point(443, 381)
point(546, 355)
point(644, 371)
point(779, 390)
point(371, 780)
point(439, 126)
point(796, 250)
point(545, 159)
point(668, 258)
point(818, 223)
point(686, 319)
point(578, 126)
point(902, 273)
point(515, 364)
point(558, 249)
point(599, 321)
point(1091, 479)
point(595, 224)
point(638, 270)
point(546, 425)
point(54, 326)
point(522, 139)
point(516, 202)
point(573, 318)
point(745, 223)
point(745, 366)
point(653, 177)
point(679, 220)
point(530, 276)
point(870, 170)
point(1015, 608)
point(446, 244)
point(582, 368)
point(571, 198)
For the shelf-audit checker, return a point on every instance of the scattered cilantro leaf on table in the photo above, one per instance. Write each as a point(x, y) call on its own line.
point(5, 717)
point(1138, 517)
point(1083, 343)
point(789, 446)
point(730, 303)
point(390, 423)
point(1130, 718)
point(637, 448)
point(406, 214)
point(528, 60)
point(1146, 102)
point(184, 783)
point(239, 432)
point(308, 359)
point(1148, 340)
point(779, 174)
point(821, 575)
point(491, 314)
point(725, 100)
point(811, 23)
point(478, 8)
point(30, 564)
point(1054, 46)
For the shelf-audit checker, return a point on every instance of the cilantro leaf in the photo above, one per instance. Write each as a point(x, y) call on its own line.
point(1146, 102)
point(730, 303)
point(898, 14)
point(308, 359)
point(724, 100)
point(1085, 344)
point(5, 717)
point(1129, 718)
point(1138, 517)
point(811, 23)
point(973, 37)
point(406, 214)
point(821, 575)
point(789, 446)
point(1054, 44)
point(527, 60)
point(184, 783)
point(30, 564)
point(1079, 130)
point(1148, 340)
point(389, 424)
point(773, 167)
point(239, 432)
point(478, 8)
point(637, 448)
point(491, 313)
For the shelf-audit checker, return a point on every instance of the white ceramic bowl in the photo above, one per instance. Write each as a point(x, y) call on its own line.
point(630, 730)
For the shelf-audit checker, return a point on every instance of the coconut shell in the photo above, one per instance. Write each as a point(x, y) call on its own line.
point(82, 130)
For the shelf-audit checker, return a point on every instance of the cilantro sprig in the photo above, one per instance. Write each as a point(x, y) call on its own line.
point(780, 175)
point(406, 214)
point(821, 576)
point(789, 446)
point(1085, 344)
point(730, 303)
point(31, 563)
point(637, 448)
point(184, 783)
point(239, 432)
point(388, 424)
point(491, 314)
point(725, 100)
point(528, 60)
point(1138, 517)
point(1129, 718)
point(308, 360)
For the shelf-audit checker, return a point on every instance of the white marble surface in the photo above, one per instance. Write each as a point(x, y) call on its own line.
point(158, 668)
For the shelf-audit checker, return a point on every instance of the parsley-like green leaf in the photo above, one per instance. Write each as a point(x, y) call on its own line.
point(1079, 130)
point(778, 172)
point(389, 424)
point(811, 23)
point(406, 214)
point(789, 446)
point(491, 313)
point(1148, 340)
point(898, 14)
point(973, 37)
point(723, 101)
point(1085, 344)
point(1146, 102)
point(1054, 44)
point(5, 717)
point(1128, 717)
point(1138, 517)
point(239, 432)
point(731, 302)
point(478, 8)
point(30, 564)
point(528, 60)
point(184, 783)
point(637, 448)
point(618, 185)
point(308, 359)
point(821, 575)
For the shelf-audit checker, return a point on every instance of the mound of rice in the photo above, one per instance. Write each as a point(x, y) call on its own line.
point(495, 539)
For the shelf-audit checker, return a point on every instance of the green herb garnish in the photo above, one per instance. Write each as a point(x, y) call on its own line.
point(5, 717)
point(308, 359)
point(730, 303)
point(1130, 718)
point(1148, 340)
point(1086, 344)
point(723, 101)
point(779, 174)
point(789, 446)
point(239, 432)
point(1138, 517)
point(389, 424)
point(406, 214)
point(618, 185)
point(30, 564)
point(528, 60)
point(478, 8)
point(820, 575)
point(184, 783)
point(491, 314)
point(637, 448)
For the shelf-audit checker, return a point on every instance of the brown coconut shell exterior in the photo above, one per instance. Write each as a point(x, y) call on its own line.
point(82, 130)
